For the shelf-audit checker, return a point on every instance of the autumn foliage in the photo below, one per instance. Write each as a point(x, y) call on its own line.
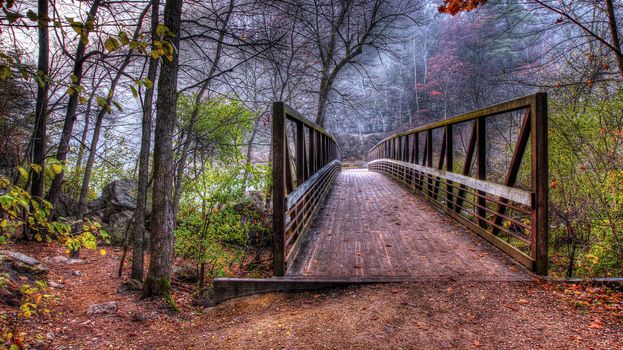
point(455, 6)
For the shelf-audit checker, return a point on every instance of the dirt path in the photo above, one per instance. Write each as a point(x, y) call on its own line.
point(431, 315)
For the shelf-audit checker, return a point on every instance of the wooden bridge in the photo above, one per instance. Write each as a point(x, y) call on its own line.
point(453, 200)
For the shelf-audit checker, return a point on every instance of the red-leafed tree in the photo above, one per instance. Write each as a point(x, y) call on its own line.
point(567, 13)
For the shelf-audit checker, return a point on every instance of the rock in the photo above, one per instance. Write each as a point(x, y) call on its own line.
point(117, 196)
point(23, 263)
point(185, 273)
point(55, 285)
point(139, 317)
point(204, 297)
point(61, 259)
point(117, 225)
point(102, 309)
point(76, 273)
point(74, 261)
point(66, 206)
point(10, 294)
point(130, 286)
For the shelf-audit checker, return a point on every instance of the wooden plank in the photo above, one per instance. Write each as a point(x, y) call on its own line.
point(540, 183)
point(515, 164)
point(467, 165)
point(504, 107)
point(292, 114)
point(449, 164)
point(514, 194)
point(481, 163)
point(296, 195)
point(279, 187)
point(300, 153)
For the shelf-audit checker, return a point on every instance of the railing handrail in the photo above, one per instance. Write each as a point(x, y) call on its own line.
point(448, 190)
point(293, 114)
point(504, 107)
point(315, 168)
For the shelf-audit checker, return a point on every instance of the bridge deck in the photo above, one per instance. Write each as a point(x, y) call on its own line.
point(372, 228)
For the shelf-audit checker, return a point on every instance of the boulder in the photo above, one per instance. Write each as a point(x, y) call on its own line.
point(17, 269)
point(185, 273)
point(10, 294)
point(23, 263)
point(130, 286)
point(66, 206)
point(116, 197)
point(102, 309)
point(117, 224)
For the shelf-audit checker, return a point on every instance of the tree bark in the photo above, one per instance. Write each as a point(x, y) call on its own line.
point(70, 117)
point(614, 35)
point(186, 141)
point(84, 189)
point(143, 166)
point(41, 109)
point(158, 281)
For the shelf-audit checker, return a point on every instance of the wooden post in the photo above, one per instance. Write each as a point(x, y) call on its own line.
point(429, 158)
point(481, 153)
point(318, 151)
point(467, 167)
point(300, 153)
point(279, 187)
point(449, 166)
point(540, 183)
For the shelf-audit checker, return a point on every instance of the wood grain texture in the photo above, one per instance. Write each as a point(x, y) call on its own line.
point(371, 228)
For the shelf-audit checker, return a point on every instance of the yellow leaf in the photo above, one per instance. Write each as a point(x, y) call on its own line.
point(23, 173)
point(102, 252)
point(57, 168)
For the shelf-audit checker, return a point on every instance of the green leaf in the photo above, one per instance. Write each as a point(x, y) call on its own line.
point(118, 106)
point(32, 15)
point(134, 91)
point(36, 168)
point(5, 72)
point(123, 37)
point(11, 16)
point(23, 173)
point(111, 44)
point(74, 78)
point(161, 30)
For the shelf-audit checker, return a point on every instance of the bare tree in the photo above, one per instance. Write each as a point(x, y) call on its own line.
point(158, 281)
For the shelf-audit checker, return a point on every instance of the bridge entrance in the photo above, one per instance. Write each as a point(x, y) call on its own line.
point(409, 216)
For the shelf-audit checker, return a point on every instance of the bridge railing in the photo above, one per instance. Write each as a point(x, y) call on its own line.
point(305, 164)
point(494, 193)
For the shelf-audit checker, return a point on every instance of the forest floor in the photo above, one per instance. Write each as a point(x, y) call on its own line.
point(422, 315)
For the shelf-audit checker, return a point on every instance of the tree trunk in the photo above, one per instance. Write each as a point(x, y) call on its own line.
point(41, 109)
point(186, 141)
point(158, 281)
point(70, 118)
point(84, 189)
point(323, 94)
point(614, 35)
point(143, 166)
point(85, 130)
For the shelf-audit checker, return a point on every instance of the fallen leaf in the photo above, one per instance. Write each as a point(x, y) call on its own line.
point(596, 324)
